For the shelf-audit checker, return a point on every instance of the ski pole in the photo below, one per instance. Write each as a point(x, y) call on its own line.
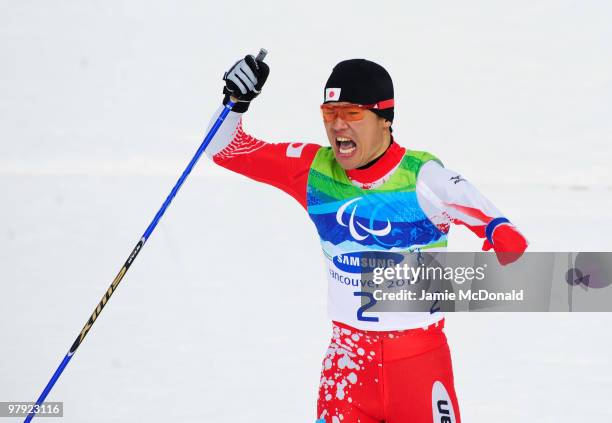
point(113, 286)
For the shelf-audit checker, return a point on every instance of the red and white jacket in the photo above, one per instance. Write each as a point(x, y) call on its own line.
point(444, 195)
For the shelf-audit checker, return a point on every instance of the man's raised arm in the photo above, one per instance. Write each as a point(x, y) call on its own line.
point(283, 165)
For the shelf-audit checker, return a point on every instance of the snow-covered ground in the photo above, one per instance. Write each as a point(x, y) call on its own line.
point(222, 316)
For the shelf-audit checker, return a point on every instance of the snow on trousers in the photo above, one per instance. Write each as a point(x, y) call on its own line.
point(391, 376)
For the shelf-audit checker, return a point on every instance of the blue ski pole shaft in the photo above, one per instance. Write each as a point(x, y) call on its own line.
point(109, 292)
point(113, 286)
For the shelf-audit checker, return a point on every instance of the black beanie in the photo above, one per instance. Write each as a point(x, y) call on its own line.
point(360, 81)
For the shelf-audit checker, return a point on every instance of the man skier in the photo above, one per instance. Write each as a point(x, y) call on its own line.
point(366, 193)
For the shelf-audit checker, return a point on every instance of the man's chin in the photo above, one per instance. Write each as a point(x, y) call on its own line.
point(346, 163)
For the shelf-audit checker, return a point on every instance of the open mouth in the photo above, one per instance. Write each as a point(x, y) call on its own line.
point(346, 146)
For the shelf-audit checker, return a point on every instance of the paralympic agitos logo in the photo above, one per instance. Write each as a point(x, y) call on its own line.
point(364, 231)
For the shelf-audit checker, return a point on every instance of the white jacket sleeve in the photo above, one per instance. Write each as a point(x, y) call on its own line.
point(446, 197)
point(226, 133)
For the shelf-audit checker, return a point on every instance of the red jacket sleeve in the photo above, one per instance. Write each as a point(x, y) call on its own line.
point(283, 165)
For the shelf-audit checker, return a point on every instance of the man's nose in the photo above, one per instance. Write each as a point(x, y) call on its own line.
point(339, 124)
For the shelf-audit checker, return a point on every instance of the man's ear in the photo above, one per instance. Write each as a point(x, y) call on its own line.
point(387, 123)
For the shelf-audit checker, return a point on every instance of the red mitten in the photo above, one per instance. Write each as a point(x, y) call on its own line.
point(508, 243)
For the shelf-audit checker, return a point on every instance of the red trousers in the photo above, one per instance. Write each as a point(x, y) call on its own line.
point(392, 377)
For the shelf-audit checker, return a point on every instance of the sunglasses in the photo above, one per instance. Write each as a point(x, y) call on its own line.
point(349, 112)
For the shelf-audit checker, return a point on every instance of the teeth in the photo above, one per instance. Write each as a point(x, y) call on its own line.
point(346, 150)
point(345, 145)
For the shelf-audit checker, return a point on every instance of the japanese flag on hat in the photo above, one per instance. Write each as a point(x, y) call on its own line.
point(332, 94)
